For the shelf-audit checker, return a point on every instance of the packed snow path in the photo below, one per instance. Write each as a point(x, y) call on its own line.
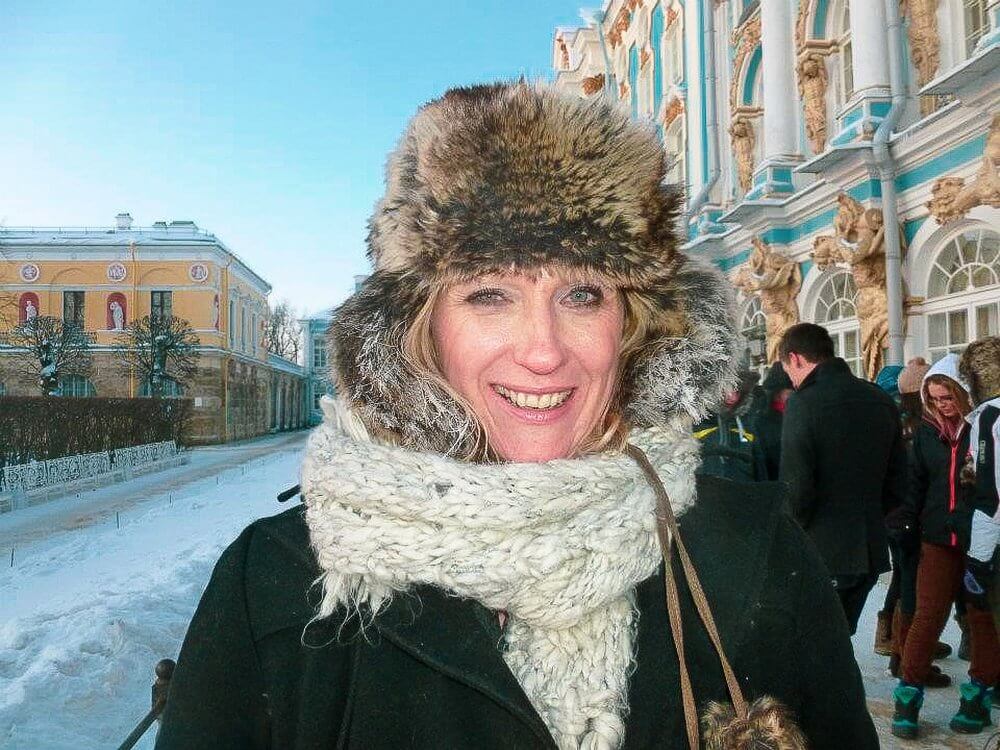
point(102, 587)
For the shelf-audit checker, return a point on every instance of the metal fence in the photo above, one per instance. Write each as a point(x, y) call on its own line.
point(29, 476)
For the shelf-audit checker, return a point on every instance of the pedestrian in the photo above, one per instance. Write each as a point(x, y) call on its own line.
point(843, 458)
point(485, 502)
point(934, 497)
point(904, 542)
point(729, 447)
point(767, 416)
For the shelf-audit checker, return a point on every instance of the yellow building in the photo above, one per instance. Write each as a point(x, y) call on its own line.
point(105, 278)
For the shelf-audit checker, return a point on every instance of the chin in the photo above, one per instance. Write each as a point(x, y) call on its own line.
point(529, 449)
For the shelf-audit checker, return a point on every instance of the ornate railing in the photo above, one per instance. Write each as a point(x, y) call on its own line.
point(35, 474)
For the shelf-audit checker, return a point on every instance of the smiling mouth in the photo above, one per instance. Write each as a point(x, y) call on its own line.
point(536, 401)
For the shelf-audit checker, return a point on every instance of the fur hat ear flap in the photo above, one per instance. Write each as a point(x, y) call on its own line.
point(980, 366)
point(769, 725)
point(692, 364)
point(367, 341)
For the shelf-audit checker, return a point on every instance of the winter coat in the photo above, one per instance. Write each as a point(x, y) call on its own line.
point(935, 494)
point(766, 422)
point(256, 672)
point(985, 494)
point(843, 458)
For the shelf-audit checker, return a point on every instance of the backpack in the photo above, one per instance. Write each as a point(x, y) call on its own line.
point(728, 449)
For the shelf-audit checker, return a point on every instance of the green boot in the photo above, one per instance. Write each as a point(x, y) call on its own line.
point(973, 709)
point(908, 699)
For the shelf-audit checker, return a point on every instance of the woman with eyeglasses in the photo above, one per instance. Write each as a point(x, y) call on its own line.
point(935, 496)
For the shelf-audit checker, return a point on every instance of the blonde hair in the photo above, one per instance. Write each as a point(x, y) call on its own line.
point(611, 432)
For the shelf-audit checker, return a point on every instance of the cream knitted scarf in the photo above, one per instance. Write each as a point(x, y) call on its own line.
point(559, 546)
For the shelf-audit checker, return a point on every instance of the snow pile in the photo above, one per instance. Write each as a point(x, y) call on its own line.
point(86, 614)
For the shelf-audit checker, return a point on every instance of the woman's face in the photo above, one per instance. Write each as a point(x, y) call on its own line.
point(943, 400)
point(535, 357)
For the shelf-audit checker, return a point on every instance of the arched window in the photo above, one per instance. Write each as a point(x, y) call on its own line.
point(753, 324)
point(844, 79)
point(962, 291)
point(76, 386)
point(976, 23)
point(836, 310)
point(633, 80)
point(656, 44)
point(170, 387)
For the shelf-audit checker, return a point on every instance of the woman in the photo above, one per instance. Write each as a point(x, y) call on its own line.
point(935, 496)
point(904, 541)
point(480, 512)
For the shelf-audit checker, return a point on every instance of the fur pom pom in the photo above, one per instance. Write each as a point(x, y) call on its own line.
point(770, 725)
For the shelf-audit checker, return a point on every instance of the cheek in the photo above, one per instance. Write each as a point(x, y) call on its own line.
point(598, 347)
point(464, 349)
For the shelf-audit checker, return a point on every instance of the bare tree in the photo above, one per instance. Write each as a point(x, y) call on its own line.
point(159, 349)
point(282, 333)
point(49, 349)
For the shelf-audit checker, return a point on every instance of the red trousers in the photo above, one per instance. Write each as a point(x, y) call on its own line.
point(939, 579)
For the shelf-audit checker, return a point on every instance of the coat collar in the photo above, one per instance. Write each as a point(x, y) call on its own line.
point(462, 639)
point(835, 367)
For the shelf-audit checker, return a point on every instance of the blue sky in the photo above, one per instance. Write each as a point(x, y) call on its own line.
point(266, 123)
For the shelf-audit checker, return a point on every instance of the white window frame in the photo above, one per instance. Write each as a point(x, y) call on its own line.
point(965, 315)
point(843, 327)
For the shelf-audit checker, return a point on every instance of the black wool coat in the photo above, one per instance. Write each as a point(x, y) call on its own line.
point(844, 460)
point(429, 673)
point(936, 495)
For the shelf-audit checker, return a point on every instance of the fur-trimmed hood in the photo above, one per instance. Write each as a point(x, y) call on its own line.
point(515, 177)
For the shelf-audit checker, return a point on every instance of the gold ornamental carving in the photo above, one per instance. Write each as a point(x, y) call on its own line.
point(623, 89)
point(777, 279)
point(953, 199)
point(622, 21)
point(675, 108)
point(925, 42)
point(743, 140)
point(859, 243)
point(563, 53)
point(592, 84)
point(745, 40)
point(813, 80)
point(644, 56)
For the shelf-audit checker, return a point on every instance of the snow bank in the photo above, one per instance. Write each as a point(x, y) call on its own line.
point(85, 614)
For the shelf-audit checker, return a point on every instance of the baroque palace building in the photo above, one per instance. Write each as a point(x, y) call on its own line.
point(104, 278)
point(840, 158)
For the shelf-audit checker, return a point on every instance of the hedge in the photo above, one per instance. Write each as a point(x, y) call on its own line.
point(40, 427)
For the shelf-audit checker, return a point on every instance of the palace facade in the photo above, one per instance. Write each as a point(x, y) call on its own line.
point(104, 278)
point(840, 158)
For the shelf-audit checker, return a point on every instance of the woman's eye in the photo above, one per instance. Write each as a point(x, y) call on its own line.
point(486, 297)
point(585, 296)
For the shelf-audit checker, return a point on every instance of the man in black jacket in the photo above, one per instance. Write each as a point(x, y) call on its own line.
point(843, 457)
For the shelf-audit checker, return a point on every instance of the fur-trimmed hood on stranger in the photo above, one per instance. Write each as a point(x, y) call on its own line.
point(417, 547)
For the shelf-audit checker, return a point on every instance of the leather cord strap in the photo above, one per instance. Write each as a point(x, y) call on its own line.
point(668, 533)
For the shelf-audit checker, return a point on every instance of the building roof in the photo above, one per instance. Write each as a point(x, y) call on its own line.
point(160, 234)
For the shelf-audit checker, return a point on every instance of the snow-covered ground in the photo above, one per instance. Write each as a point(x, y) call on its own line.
point(88, 608)
point(102, 587)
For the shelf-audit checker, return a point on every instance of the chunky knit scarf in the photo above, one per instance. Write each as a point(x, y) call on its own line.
point(559, 546)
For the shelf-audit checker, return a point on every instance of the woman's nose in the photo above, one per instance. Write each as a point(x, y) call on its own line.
point(538, 346)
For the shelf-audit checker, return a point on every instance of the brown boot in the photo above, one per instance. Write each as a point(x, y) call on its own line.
point(883, 633)
point(942, 651)
point(936, 678)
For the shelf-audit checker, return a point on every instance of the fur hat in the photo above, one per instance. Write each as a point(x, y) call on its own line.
point(515, 177)
point(980, 366)
point(911, 377)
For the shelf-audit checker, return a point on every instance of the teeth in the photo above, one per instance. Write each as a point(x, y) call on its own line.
point(533, 400)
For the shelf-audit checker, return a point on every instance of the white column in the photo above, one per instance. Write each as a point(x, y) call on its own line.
point(778, 71)
point(869, 45)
